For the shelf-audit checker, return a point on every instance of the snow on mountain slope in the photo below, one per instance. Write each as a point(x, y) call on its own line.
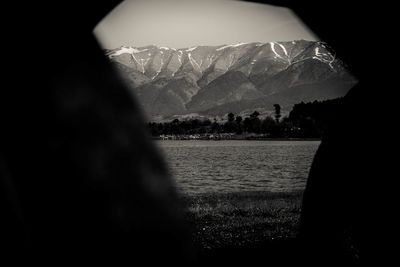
point(170, 81)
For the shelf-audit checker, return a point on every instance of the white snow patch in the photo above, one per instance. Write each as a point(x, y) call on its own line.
point(325, 58)
point(159, 70)
point(191, 49)
point(232, 57)
point(126, 50)
point(143, 63)
point(283, 48)
point(277, 54)
point(210, 60)
point(193, 61)
point(234, 45)
point(140, 63)
point(180, 57)
point(133, 56)
point(273, 50)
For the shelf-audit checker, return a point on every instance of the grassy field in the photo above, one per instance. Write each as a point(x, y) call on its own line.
point(240, 219)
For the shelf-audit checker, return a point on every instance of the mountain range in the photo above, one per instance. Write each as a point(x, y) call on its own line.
point(212, 81)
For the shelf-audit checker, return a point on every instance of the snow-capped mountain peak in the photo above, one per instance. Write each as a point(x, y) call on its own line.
point(189, 78)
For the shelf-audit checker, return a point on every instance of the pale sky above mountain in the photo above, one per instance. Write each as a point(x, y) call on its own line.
point(187, 23)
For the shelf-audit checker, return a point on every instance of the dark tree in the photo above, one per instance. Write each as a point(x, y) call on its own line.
point(247, 124)
point(215, 127)
point(254, 114)
point(255, 123)
point(277, 108)
point(206, 123)
point(267, 125)
point(231, 117)
point(238, 121)
point(230, 126)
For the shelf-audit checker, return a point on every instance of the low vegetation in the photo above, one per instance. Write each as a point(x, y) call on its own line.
point(241, 219)
point(305, 120)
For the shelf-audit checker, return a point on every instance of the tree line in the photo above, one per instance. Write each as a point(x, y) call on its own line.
point(305, 120)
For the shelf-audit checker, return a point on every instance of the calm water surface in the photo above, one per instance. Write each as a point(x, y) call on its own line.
point(232, 165)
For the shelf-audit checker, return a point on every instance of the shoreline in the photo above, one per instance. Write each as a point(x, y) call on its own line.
point(240, 139)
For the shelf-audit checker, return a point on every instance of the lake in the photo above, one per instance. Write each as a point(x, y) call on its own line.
point(200, 166)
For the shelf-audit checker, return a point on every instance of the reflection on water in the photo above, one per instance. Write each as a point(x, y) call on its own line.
point(231, 165)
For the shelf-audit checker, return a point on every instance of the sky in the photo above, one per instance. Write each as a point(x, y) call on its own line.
point(188, 23)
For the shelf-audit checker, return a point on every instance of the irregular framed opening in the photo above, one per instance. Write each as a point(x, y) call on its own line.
point(259, 98)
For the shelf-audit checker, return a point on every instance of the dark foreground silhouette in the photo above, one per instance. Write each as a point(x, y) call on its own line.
point(80, 181)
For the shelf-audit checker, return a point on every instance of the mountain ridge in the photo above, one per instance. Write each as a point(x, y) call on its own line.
point(200, 79)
